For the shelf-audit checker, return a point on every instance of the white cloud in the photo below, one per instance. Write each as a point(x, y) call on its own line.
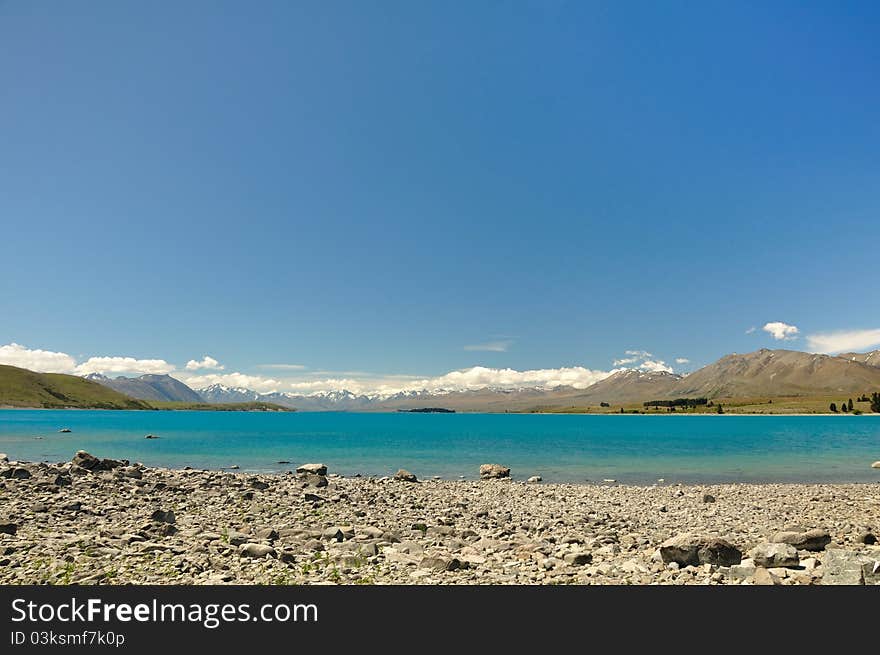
point(124, 365)
point(751, 330)
point(643, 361)
point(253, 382)
point(657, 366)
point(43, 361)
point(283, 367)
point(781, 331)
point(479, 377)
point(500, 346)
point(844, 340)
point(682, 360)
point(206, 362)
point(475, 378)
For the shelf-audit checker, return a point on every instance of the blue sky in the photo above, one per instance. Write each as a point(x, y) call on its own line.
point(398, 189)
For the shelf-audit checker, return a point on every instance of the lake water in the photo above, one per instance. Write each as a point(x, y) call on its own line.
point(570, 448)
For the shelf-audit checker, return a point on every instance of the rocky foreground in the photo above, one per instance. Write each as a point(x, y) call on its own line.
point(93, 521)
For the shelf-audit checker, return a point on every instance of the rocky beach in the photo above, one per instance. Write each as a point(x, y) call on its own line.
point(102, 521)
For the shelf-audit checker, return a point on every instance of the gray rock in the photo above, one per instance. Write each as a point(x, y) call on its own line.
point(4, 457)
point(110, 464)
point(257, 551)
point(871, 572)
point(535, 479)
point(405, 476)
point(315, 469)
point(259, 485)
point(163, 516)
point(843, 567)
point(132, 472)
point(577, 559)
point(16, 473)
point(8, 527)
point(744, 570)
point(708, 498)
point(774, 555)
point(338, 533)
point(868, 538)
point(270, 534)
point(313, 498)
point(812, 540)
point(237, 538)
point(86, 461)
point(764, 577)
point(875, 465)
point(312, 480)
point(436, 563)
point(688, 549)
point(493, 471)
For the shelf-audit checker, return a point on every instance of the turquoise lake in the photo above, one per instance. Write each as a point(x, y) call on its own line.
point(561, 448)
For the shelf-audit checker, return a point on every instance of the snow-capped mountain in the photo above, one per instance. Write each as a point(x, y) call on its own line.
point(220, 393)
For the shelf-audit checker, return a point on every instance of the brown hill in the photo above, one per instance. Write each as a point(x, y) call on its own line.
point(871, 358)
point(630, 385)
point(778, 373)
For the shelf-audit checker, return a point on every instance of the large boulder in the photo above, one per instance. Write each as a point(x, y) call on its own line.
point(843, 567)
point(493, 471)
point(405, 476)
point(689, 549)
point(84, 460)
point(813, 540)
point(774, 555)
point(314, 469)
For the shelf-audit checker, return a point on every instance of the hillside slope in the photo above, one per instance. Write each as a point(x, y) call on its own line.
point(149, 387)
point(778, 373)
point(22, 388)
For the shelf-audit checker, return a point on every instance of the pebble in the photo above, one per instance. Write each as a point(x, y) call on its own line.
point(159, 526)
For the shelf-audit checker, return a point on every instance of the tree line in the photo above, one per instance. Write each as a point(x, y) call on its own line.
point(847, 405)
point(678, 402)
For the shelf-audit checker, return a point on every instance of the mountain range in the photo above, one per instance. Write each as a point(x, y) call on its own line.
point(150, 387)
point(763, 373)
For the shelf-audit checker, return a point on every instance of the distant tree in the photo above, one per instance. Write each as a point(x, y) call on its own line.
point(621, 410)
point(875, 402)
point(843, 407)
point(718, 409)
point(849, 404)
point(833, 407)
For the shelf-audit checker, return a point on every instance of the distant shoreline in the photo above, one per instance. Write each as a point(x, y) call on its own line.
point(457, 412)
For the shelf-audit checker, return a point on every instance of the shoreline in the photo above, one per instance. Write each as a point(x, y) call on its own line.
point(95, 521)
point(457, 412)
